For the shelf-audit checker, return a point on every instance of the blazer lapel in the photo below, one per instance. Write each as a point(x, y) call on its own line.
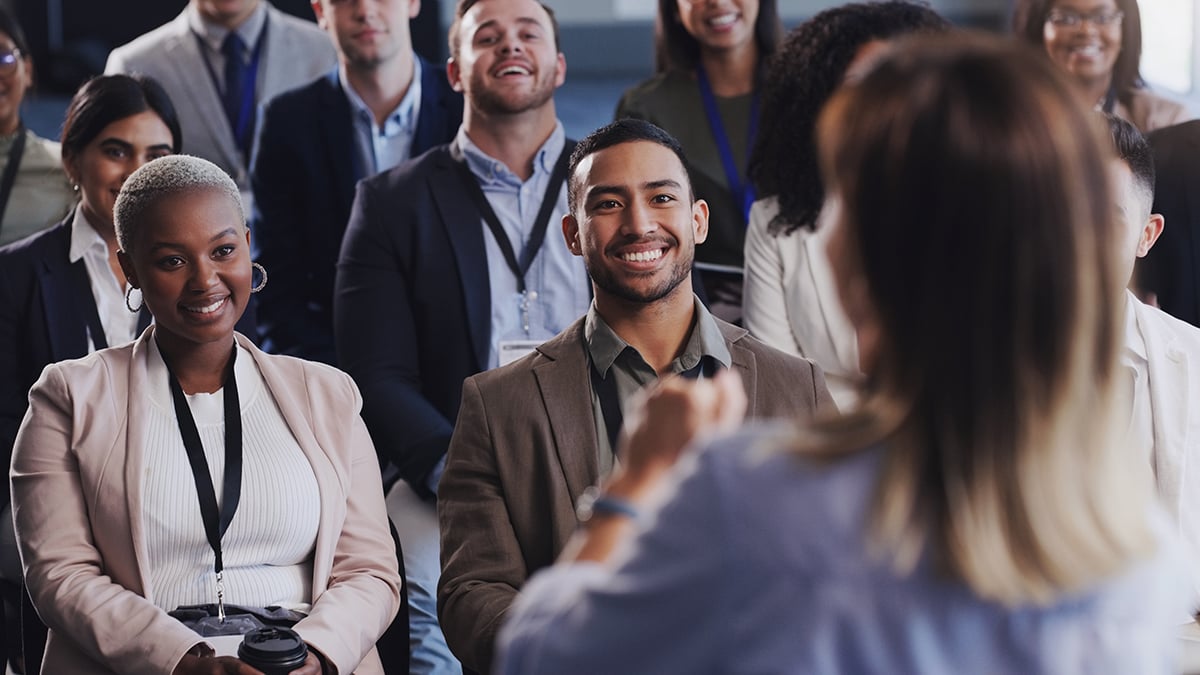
point(287, 388)
point(569, 410)
point(337, 130)
point(135, 444)
point(432, 117)
point(743, 363)
point(65, 323)
point(1170, 397)
point(190, 65)
point(465, 231)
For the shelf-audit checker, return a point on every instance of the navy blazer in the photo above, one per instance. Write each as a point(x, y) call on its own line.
point(303, 177)
point(412, 306)
point(44, 303)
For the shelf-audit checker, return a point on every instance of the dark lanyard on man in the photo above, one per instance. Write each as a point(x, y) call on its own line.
point(536, 236)
point(216, 522)
point(240, 124)
point(739, 185)
point(15, 153)
point(605, 389)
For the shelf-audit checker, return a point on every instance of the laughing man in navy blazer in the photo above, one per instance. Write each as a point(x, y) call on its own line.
point(382, 105)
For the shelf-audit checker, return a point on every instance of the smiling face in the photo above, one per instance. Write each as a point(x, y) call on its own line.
point(367, 33)
point(719, 24)
point(1088, 51)
point(507, 62)
point(15, 79)
point(191, 260)
point(117, 151)
point(635, 225)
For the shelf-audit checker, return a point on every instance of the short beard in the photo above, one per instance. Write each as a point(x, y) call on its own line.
point(606, 281)
point(486, 101)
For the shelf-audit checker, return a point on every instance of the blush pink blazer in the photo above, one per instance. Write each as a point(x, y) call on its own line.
point(76, 479)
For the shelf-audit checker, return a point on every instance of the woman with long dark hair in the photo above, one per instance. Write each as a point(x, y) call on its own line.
point(710, 58)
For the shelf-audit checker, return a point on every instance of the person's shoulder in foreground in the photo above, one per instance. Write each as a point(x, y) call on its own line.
point(783, 523)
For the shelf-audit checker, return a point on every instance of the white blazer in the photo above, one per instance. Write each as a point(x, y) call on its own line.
point(790, 300)
point(1173, 356)
point(295, 53)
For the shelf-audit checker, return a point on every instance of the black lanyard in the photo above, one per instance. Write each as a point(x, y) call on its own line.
point(215, 522)
point(538, 234)
point(9, 178)
point(91, 315)
point(741, 188)
point(605, 389)
point(1110, 101)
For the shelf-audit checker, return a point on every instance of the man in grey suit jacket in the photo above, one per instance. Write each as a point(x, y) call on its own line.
point(1161, 357)
point(188, 58)
point(532, 436)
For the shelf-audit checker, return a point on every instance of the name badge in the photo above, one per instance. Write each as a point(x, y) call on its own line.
point(511, 350)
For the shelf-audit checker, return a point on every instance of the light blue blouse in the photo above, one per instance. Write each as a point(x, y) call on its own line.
point(758, 565)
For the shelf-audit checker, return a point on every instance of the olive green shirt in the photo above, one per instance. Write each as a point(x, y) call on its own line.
point(41, 194)
point(613, 357)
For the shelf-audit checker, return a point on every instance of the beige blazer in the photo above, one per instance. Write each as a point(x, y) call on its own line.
point(790, 300)
point(76, 481)
point(1173, 368)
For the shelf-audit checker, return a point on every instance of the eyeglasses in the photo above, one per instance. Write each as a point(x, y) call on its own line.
point(1069, 19)
point(9, 60)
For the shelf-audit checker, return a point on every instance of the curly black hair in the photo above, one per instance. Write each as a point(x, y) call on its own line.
point(800, 78)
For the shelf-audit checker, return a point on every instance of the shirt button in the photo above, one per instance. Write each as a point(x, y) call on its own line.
point(533, 295)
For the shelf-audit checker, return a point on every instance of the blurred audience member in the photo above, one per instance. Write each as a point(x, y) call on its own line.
point(1099, 44)
point(34, 190)
point(710, 58)
point(791, 300)
point(1161, 357)
point(980, 512)
point(220, 60)
point(382, 105)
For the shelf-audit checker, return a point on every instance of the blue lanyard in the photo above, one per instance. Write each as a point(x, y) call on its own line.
point(246, 101)
point(742, 189)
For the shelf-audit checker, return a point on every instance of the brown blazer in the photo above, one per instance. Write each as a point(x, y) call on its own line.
point(524, 448)
point(76, 486)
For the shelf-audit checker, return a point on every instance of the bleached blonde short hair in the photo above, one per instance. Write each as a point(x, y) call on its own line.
point(166, 177)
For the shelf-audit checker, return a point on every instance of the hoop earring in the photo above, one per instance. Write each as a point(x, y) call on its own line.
point(263, 282)
point(130, 307)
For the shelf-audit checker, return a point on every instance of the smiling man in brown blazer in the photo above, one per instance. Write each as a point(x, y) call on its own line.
point(532, 436)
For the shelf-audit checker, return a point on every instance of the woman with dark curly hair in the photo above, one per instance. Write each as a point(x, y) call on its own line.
point(1099, 43)
point(789, 301)
point(710, 57)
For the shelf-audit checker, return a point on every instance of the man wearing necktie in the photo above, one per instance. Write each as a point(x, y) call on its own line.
point(218, 61)
point(533, 436)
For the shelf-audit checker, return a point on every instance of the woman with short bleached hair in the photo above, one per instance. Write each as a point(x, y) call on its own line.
point(978, 512)
point(158, 484)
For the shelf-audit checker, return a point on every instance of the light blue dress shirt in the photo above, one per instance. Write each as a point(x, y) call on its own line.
point(379, 148)
point(559, 291)
point(759, 564)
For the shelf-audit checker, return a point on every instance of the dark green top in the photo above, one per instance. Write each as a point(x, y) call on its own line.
point(672, 101)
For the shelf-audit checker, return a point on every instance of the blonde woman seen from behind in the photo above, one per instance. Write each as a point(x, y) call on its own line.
point(977, 512)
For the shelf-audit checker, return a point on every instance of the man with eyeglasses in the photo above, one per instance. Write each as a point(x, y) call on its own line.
point(1099, 44)
point(219, 61)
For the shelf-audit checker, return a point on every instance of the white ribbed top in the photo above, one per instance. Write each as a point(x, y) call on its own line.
point(268, 547)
